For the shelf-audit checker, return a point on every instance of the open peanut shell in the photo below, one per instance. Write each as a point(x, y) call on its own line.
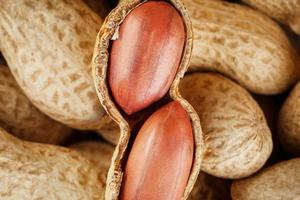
point(129, 124)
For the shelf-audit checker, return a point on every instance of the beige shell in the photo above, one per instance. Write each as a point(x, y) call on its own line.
point(98, 153)
point(21, 118)
point(100, 60)
point(236, 135)
point(286, 11)
point(280, 181)
point(48, 45)
point(110, 131)
point(101, 7)
point(210, 188)
point(289, 122)
point(243, 44)
point(39, 171)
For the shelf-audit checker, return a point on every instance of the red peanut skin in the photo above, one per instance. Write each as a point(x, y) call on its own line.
point(160, 160)
point(145, 57)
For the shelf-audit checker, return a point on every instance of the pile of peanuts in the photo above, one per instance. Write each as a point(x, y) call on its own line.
point(149, 99)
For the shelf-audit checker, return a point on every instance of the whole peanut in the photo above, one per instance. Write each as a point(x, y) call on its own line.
point(289, 122)
point(21, 118)
point(243, 44)
point(280, 181)
point(236, 135)
point(285, 11)
point(48, 46)
point(39, 171)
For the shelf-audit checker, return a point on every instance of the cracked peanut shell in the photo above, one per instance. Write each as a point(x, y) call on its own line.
point(107, 33)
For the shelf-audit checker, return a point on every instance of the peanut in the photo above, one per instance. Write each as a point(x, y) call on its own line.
point(39, 171)
point(236, 135)
point(285, 11)
point(289, 122)
point(110, 131)
point(210, 188)
point(161, 157)
point(48, 46)
point(280, 181)
point(145, 57)
point(98, 153)
point(21, 118)
point(243, 44)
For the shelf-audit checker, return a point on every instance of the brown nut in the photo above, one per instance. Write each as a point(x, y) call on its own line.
point(280, 181)
point(39, 171)
point(161, 156)
point(236, 135)
point(243, 44)
point(130, 124)
point(21, 118)
point(145, 57)
point(48, 46)
point(289, 122)
point(285, 11)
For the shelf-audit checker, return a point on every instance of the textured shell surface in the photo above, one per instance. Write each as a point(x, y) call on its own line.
point(98, 153)
point(243, 44)
point(108, 32)
point(48, 46)
point(289, 122)
point(237, 138)
point(110, 131)
point(286, 11)
point(39, 171)
point(21, 118)
point(210, 188)
point(280, 181)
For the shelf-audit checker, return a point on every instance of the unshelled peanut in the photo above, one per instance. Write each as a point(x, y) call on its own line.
point(20, 117)
point(48, 46)
point(243, 44)
point(286, 11)
point(236, 135)
point(280, 181)
point(39, 171)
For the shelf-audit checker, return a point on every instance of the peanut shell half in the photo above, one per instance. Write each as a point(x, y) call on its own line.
point(109, 32)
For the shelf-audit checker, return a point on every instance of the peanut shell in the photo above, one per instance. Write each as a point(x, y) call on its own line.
point(108, 32)
point(280, 181)
point(21, 118)
point(39, 171)
point(285, 11)
point(237, 138)
point(289, 122)
point(110, 131)
point(210, 188)
point(243, 44)
point(98, 153)
point(48, 46)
